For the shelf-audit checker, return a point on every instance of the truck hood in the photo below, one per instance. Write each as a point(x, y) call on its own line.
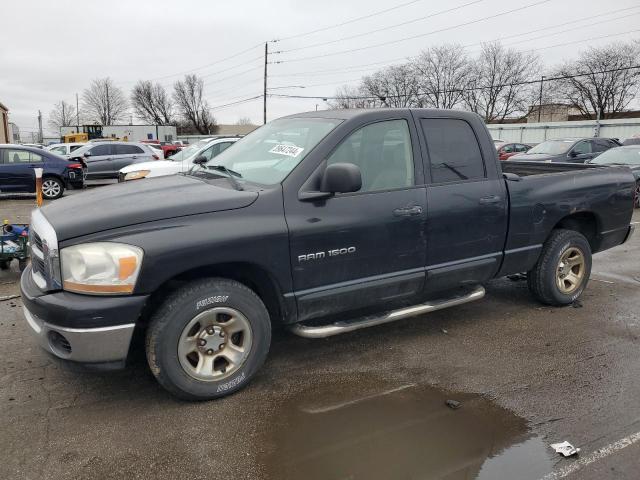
point(140, 201)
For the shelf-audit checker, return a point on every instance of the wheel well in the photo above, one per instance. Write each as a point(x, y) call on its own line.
point(584, 222)
point(250, 275)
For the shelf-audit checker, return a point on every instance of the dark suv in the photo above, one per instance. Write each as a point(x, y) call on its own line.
point(567, 150)
point(17, 164)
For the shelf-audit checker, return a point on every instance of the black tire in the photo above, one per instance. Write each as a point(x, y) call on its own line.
point(4, 264)
point(59, 188)
point(636, 195)
point(22, 264)
point(542, 280)
point(178, 310)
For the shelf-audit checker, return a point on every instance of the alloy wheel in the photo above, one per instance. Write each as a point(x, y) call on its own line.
point(215, 344)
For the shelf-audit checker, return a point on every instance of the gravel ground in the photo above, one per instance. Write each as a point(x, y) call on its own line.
point(369, 404)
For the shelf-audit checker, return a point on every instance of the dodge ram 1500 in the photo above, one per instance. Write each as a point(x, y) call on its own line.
point(322, 222)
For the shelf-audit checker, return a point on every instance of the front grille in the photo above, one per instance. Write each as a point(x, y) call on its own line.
point(44, 253)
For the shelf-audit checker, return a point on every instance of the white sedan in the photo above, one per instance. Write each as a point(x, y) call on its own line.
point(64, 149)
point(180, 162)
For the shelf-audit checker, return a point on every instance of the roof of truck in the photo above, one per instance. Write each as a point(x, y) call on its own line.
point(347, 113)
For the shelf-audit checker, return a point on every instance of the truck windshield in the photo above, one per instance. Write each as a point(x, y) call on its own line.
point(553, 147)
point(268, 154)
point(619, 156)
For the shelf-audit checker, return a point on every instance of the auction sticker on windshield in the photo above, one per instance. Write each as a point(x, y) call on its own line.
point(288, 150)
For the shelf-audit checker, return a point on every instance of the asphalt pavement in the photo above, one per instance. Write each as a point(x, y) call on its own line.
point(365, 405)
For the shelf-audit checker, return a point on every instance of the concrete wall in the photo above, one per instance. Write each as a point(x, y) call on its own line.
point(539, 132)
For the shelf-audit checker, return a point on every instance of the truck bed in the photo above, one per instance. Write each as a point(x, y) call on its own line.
point(525, 169)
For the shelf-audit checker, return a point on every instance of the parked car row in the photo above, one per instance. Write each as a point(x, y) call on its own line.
point(567, 150)
point(17, 171)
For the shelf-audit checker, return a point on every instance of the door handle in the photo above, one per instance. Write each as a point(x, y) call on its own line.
point(489, 200)
point(408, 211)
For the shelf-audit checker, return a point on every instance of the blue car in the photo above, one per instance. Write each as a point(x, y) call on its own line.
point(17, 164)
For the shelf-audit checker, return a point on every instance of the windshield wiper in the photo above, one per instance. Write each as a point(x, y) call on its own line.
point(230, 174)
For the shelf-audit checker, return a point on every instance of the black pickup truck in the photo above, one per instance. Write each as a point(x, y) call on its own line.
point(322, 222)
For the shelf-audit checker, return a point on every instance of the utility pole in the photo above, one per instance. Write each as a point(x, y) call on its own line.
point(77, 115)
point(264, 98)
point(540, 99)
point(40, 126)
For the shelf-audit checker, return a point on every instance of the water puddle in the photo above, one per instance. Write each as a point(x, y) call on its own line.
point(377, 430)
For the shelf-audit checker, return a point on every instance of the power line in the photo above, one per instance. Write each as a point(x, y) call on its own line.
point(203, 66)
point(413, 37)
point(356, 68)
point(571, 29)
point(218, 107)
point(357, 19)
point(370, 32)
point(469, 89)
point(584, 40)
point(570, 22)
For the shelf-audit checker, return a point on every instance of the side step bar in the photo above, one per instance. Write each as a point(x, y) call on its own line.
point(322, 331)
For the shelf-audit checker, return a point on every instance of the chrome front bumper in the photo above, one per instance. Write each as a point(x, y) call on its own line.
point(85, 345)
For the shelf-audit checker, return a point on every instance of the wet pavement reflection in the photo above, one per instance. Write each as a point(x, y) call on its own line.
point(378, 430)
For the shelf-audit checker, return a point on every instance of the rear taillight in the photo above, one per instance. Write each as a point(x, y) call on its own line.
point(156, 157)
point(75, 165)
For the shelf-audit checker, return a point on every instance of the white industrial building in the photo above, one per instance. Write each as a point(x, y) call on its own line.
point(133, 133)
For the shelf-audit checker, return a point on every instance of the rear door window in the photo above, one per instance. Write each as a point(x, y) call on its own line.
point(600, 145)
point(13, 157)
point(101, 150)
point(128, 150)
point(454, 153)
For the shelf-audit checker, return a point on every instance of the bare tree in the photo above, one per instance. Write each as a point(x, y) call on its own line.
point(601, 81)
point(152, 103)
point(349, 96)
point(394, 86)
point(103, 102)
point(497, 85)
point(244, 121)
point(443, 73)
point(62, 115)
point(193, 108)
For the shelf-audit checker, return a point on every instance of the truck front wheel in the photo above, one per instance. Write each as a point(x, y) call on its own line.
point(208, 339)
point(563, 269)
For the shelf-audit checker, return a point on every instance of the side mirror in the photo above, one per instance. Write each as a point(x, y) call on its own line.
point(86, 154)
point(200, 160)
point(341, 178)
point(337, 178)
point(573, 154)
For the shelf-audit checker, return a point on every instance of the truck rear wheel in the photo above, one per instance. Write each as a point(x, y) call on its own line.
point(208, 339)
point(563, 269)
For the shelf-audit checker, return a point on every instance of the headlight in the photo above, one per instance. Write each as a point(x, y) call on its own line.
point(136, 175)
point(100, 268)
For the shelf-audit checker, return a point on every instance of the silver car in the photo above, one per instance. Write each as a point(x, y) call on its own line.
point(105, 159)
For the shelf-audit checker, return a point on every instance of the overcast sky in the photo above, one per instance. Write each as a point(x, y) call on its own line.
point(51, 50)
